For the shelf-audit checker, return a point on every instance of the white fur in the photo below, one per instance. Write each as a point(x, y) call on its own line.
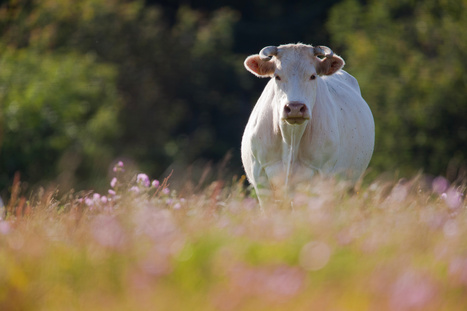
point(338, 138)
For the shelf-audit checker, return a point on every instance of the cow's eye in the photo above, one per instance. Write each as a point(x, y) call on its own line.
point(278, 78)
point(313, 77)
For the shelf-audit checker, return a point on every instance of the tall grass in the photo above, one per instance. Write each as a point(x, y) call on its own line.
point(385, 246)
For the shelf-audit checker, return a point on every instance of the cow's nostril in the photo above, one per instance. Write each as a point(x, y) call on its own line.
point(287, 109)
point(302, 110)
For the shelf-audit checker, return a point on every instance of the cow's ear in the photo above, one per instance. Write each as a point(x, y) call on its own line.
point(329, 65)
point(259, 67)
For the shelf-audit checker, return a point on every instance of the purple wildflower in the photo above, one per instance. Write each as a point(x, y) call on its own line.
point(155, 183)
point(112, 192)
point(134, 189)
point(166, 190)
point(143, 179)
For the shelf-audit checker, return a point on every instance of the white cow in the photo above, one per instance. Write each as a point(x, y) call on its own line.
point(310, 118)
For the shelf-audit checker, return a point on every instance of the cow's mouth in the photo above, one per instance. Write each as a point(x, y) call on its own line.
point(297, 121)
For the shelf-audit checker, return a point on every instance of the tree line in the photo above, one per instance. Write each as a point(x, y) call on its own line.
point(83, 83)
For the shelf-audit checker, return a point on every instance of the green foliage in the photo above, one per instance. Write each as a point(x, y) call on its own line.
point(179, 81)
point(409, 58)
point(59, 114)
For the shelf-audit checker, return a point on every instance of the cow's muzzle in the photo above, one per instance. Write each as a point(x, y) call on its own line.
point(295, 113)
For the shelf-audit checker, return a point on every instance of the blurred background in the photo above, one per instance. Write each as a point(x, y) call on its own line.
point(161, 84)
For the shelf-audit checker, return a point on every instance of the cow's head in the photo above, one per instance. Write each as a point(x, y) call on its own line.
point(296, 70)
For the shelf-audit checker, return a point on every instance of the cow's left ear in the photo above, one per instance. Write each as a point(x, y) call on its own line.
point(329, 65)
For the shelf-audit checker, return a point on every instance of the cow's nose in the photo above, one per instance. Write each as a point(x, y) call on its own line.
point(295, 110)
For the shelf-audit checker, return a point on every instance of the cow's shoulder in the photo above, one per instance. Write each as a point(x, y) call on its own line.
point(342, 80)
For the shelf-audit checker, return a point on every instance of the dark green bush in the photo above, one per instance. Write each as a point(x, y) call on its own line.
point(59, 115)
point(410, 60)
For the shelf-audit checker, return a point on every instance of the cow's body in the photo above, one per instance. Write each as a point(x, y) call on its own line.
point(337, 137)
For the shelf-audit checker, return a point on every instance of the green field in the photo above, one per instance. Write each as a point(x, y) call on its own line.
point(384, 246)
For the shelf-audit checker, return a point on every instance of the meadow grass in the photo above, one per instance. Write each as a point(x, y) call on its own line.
point(142, 246)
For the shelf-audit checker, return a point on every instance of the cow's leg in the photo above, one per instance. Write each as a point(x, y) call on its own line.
point(261, 184)
point(303, 174)
point(277, 177)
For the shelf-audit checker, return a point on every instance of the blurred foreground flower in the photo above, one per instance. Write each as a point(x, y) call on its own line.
point(314, 256)
point(440, 184)
point(453, 198)
point(458, 270)
point(280, 282)
point(4, 227)
point(108, 232)
point(412, 291)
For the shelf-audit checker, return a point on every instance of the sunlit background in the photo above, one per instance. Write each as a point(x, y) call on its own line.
point(161, 84)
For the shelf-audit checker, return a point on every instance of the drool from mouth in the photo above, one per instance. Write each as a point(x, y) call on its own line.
point(295, 121)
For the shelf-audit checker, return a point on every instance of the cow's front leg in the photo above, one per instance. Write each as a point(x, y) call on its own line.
point(278, 181)
point(260, 182)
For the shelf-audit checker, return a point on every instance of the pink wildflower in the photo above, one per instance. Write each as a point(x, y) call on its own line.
point(440, 184)
point(4, 227)
point(108, 232)
point(143, 179)
point(412, 291)
point(155, 183)
point(453, 198)
point(119, 167)
point(113, 183)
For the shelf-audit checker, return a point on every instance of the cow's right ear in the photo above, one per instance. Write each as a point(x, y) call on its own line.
point(259, 67)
